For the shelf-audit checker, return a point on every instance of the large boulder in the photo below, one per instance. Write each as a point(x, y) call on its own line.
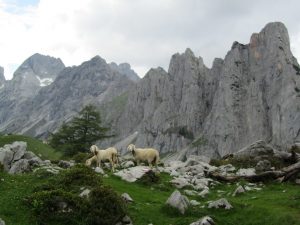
point(257, 150)
point(18, 148)
point(6, 157)
point(133, 173)
point(178, 201)
point(19, 166)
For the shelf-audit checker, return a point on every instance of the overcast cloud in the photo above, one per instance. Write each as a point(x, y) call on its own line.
point(144, 33)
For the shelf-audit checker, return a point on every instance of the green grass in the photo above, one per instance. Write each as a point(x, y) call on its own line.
point(274, 204)
point(13, 189)
point(34, 145)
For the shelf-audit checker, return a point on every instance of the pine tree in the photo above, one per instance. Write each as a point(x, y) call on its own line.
point(80, 133)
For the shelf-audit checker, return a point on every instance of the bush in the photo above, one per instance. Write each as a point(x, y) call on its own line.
point(149, 178)
point(58, 202)
point(106, 207)
point(81, 157)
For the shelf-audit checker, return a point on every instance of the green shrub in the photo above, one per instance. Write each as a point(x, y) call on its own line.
point(1, 167)
point(106, 207)
point(79, 175)
point(57, 201)
point(81, 157)
point(149, 178)
point(57, 206)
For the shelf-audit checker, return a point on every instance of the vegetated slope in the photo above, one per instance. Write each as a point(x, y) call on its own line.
point(34, 145)
point(274, 204)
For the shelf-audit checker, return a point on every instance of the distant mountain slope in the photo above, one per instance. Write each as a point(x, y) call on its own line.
point(92, 82)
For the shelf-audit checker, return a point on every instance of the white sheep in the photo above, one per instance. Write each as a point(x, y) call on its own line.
point(110, 154)
point(149, 155)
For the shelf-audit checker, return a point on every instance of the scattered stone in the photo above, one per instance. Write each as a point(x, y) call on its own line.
point(246, 172)
point(133, 173)
point(238, 190)
point(206, 220)
point(85, 193)
point(221, 203)
point(99, 170)
point(194, 203)
point(126, 220)
point(297, 181)
point(196, 159)
point(204, 193)
point(180, 182)
point(190, 192)
point(2, 222)
point(178, 201)
point(174, 173)
point(127, 164)
point(65, 164)
point(126, 197)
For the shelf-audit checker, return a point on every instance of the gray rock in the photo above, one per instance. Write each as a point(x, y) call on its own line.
point(246, 172)
point(206, 220)
point(204, 192)
point(18, 148)
point(99, 170)
point(263, 165)
point(2, 222)
point(127, 164)
point(221, 203)
point(65, 164)
point(194, 203)
point(19, 166)
point(190, 192)
point(29, 155)
point(180, 182)
point(6, 157)
point(85, 193)
point(126, 197)
point(238, 190)
point(133, 173)
point(178, 201)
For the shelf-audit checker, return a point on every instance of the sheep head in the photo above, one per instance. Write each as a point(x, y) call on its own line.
point(131, 148)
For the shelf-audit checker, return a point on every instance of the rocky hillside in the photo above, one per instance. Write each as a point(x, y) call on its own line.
point(252, 94)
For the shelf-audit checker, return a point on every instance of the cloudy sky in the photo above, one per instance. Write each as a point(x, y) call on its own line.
point(144, 33)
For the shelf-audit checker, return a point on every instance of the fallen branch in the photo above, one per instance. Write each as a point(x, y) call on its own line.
point(284, 174)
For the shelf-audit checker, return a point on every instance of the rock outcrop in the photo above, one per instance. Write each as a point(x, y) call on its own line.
point(16, 159)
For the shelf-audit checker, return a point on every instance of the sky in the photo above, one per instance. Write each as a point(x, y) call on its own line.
point(144, 33)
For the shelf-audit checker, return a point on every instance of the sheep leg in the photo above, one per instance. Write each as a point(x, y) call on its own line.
point(112, 165)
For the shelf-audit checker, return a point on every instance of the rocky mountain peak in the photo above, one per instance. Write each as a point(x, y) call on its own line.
point(40, 65)
point(273, 36)
point(125, 68)
point(186, 61)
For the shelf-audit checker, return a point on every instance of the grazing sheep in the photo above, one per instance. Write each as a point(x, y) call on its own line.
point(110, 154)
point(149, 155)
